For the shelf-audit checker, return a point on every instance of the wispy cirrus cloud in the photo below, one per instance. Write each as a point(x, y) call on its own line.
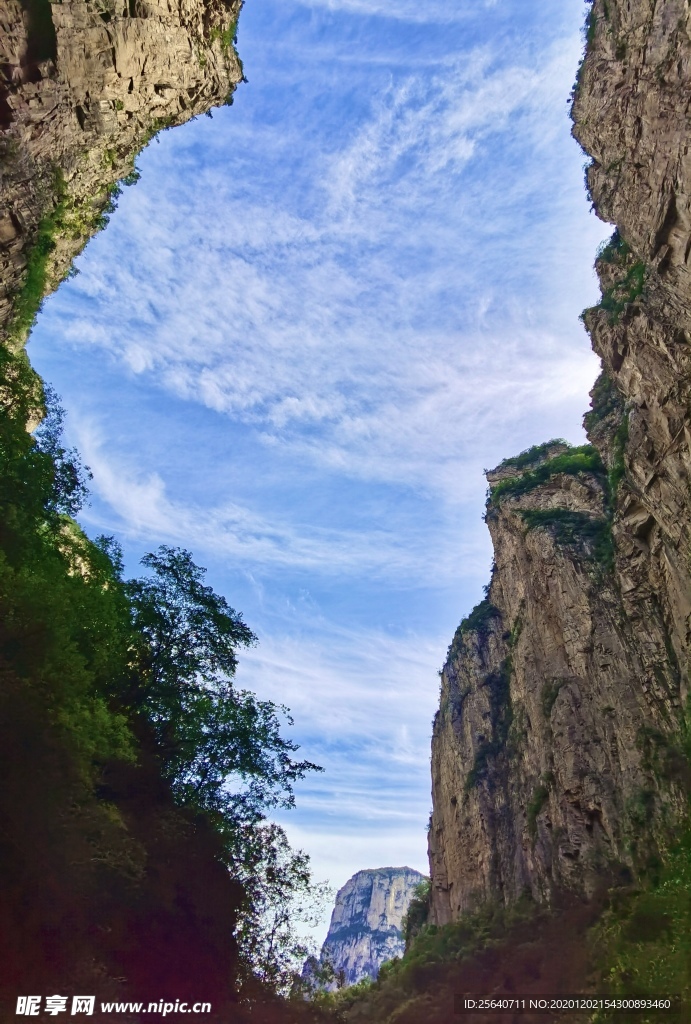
point(332, 327)
point(141, 507)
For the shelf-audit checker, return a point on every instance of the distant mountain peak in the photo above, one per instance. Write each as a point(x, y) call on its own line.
point(366, 923)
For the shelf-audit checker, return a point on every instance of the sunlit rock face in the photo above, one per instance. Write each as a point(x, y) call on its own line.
point(556, 754)
point(83, 86)
point(631, 115)
point(365, 928)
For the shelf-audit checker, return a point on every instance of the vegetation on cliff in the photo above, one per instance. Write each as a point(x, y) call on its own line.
point(582, 459)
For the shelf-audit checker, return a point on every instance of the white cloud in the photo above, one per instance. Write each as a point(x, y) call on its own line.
point(143, 509)
point(404, 10)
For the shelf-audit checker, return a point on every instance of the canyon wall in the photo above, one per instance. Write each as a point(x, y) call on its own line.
point(559, 752)
point(83, 86)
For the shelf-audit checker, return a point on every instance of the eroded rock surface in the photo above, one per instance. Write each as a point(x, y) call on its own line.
point(557, 754)
point(83, 86)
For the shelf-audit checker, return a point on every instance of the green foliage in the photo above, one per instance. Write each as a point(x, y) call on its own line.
point(418, 911)
point(64, 624)
point(618, 470)
point(206, 730)
point(501, 718)
point(536, 803)
point(613, 251)
point(434, 946)
point(590, 27)
point(119, 667)
point(549, 694)
point(159, 124)
point(615, 299)
point(605, 399)
point(668, 755)
point(515, 633)
point(644, 937)
point(532, 455)
point(228, 37)
point(479, 621)
point(28, 299)
point(593, 536)
point(67, 218)
point(279, 897)
point(584, 459)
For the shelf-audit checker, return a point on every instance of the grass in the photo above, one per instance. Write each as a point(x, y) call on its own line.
point(584, 459)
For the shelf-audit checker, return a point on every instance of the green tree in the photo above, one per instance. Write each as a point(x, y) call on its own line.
point(221, 748)
point(223, 752)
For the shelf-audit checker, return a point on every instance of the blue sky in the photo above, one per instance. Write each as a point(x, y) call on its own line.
point(305, 332)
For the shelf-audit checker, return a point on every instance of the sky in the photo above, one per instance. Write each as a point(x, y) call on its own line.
point(305, 332)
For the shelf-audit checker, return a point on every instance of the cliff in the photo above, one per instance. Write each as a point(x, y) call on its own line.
point(558, 752)
point(366, 922)
point(83, 86)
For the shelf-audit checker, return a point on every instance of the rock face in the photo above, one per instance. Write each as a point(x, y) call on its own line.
point(558, 749)
point(83, 86)
point(365, 928)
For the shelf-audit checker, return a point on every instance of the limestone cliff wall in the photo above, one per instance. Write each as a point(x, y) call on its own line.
point(558, 748)
point(83, 85)
point(365, 928)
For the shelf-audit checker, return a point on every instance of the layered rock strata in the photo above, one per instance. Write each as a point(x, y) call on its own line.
point(84, 84)
point(366, 922)
point(559, 749)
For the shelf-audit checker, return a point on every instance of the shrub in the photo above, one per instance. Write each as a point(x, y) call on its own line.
point(605, 399)
point(618, 470)
point(584, 459)
point(615, 299)
point(531, 455)
point(537, 802)
point(614, 250)
point(479, 621)
point(418, 911)
point(549, 694)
